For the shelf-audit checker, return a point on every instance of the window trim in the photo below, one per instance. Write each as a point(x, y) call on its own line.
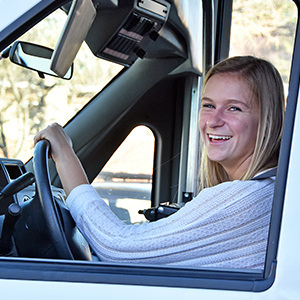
point(142, 275)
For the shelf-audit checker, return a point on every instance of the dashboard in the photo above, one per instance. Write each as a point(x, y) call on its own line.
point(11, 169)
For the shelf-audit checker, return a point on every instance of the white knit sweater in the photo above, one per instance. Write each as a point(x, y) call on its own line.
point(224, 226)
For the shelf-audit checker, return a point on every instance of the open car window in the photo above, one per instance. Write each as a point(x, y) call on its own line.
point(125, 182)
point(265, 30)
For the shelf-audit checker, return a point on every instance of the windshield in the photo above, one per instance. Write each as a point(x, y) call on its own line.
point(30, 103)
point(13, 14)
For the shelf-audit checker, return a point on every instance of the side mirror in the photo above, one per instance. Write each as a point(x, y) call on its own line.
point(35, 57)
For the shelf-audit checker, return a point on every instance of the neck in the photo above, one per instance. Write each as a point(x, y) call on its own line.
point(235, 175)
point(235, 172)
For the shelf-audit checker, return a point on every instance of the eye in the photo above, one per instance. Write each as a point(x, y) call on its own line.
point(234, 108)
point(208, 105)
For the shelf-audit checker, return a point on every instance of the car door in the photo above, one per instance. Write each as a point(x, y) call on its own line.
point(162, 94)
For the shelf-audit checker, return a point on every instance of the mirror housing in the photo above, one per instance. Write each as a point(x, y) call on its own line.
point(79, 21)
point(35, 57)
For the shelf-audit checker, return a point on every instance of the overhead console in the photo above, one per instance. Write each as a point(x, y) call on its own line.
point(133, 25)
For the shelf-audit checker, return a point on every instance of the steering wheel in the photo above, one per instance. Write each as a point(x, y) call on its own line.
point(65, 237)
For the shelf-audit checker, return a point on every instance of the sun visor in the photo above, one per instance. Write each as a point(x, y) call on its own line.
point(79, 21)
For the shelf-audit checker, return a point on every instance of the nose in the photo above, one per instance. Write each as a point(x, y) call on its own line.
point(216, 119)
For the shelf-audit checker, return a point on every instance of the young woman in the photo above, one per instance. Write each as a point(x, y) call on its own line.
point(227, 224)
point(265, 88)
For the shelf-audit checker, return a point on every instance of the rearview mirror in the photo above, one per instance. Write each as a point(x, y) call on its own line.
point(35, 57)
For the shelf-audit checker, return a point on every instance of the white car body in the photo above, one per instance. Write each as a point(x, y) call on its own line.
point(67, 281)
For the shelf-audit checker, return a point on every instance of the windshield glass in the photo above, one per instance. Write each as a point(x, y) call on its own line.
point(30, 103)
point(9, 16)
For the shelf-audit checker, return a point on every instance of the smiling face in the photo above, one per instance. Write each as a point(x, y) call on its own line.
point(229, 118)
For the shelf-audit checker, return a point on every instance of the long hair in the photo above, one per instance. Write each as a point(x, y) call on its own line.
point(266, 85)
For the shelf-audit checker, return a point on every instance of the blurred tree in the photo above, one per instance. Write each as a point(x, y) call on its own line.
point(264, 29)
point(29, 103)
point(18, 106)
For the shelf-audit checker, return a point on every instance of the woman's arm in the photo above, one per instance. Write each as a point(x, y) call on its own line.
point(224, 226)
point(68, 166)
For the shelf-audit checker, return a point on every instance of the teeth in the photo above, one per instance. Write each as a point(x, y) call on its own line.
point(219, 137)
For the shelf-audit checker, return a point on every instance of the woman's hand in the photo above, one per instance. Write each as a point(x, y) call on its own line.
point(58, 139)
point(68, 166)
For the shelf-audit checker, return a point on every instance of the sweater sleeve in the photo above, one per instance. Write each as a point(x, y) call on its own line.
point(224, 226)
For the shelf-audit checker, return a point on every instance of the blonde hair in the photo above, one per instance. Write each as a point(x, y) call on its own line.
point(267, 88)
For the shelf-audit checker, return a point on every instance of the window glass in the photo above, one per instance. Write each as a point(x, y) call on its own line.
point(265, 29)
point(125, 182)
point(19, 9)
point(30, 103)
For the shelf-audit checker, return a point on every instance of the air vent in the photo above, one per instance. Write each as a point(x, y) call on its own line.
point(138, 28)
point(129, 37)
